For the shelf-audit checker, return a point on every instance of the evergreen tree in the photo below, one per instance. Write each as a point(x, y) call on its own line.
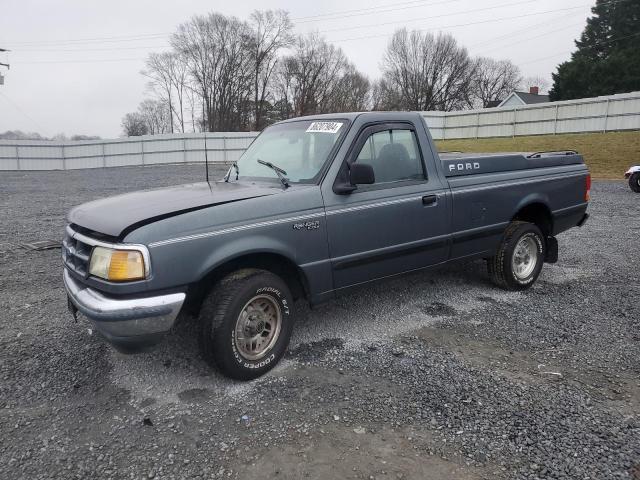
point(607, 60)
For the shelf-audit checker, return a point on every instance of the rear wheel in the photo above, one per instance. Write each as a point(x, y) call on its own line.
point(634, 182)
point(246, 323)
point(520, 256)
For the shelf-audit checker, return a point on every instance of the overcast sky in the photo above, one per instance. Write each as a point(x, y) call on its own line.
point(75, 64)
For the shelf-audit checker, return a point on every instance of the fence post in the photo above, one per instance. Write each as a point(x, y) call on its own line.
point(606, 116)
point(515, 119)
point(17, 157)
point(477, 125)
point(104, 157)
point(184, 149)
point(64, 158)
point(142, 148)
point(555, 122)
point(225, 157)
point(444, 126)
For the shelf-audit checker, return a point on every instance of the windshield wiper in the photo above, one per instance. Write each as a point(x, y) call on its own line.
point(280, 172)
point(237, 169)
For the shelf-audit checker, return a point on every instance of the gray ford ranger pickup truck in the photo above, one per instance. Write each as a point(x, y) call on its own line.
point(315, 206)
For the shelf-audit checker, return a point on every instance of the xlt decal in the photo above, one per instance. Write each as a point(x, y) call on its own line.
point(313, 225)
point(460, 167)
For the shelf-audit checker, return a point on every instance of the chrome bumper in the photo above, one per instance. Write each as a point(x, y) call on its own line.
point(119, 319)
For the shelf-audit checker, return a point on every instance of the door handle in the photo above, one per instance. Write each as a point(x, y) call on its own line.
point(429, 200)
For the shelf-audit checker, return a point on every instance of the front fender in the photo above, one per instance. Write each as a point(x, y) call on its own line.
point(244, 246)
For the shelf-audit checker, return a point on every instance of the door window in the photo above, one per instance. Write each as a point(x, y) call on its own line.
point(394, 156)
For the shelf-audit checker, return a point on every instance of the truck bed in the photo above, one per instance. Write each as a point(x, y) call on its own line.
point(459, 164)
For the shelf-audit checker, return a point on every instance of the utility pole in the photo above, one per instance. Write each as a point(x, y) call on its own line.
point(4, 65)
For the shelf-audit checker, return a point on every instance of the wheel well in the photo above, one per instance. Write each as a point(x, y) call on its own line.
point(279, 265)
point(538, 214)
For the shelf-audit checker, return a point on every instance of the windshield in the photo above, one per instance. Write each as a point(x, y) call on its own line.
point(298, 148)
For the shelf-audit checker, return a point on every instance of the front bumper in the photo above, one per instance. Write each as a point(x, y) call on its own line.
point(128, 324)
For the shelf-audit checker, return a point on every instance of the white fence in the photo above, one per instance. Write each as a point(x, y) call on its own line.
point(145, 150)
point(600, 114)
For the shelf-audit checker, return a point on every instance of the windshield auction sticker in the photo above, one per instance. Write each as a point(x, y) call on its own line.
point(324, 127)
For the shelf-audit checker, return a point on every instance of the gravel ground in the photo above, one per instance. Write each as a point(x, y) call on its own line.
point(433, 375)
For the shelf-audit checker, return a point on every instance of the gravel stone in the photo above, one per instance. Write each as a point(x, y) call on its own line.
point(436, 374)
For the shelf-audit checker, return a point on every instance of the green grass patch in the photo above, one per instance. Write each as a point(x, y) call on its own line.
point(608, 155)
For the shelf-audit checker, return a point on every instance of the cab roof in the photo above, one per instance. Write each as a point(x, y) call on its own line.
point(352, 116)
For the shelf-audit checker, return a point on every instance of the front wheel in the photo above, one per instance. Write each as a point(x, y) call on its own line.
point(520, 256)
point(634, 182)
point(246, 323)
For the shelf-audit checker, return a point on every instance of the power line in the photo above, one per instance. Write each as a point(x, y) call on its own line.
point(430, 17)
point(111, 39)
point(334, 15)
point(492, 20)
point(521, 31)
point(104, 60)
point(369, 11)
point(334, 41)
point(309, 18)
point(130, 38)
point(17, 107)
point(138, 37)
point(109, 49)
point(142, 58)
point(147, 36)
point(552, 31)
point(571, 51)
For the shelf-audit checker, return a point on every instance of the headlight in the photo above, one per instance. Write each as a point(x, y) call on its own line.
point(117, 265)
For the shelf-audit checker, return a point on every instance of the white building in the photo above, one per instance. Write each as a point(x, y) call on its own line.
point(517, 99)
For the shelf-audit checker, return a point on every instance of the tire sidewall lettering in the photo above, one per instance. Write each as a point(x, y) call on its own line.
point(279, 296)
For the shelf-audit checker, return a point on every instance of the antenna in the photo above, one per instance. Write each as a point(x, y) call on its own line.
point(206, 158)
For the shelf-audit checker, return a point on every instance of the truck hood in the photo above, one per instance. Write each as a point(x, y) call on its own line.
point(116, 216)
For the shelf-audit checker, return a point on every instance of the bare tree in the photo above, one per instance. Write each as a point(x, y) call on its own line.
point(535, 81)
point(493, 81)
point(352, 92)
point(194, 102)
point(169, 75)
point(383, 97)
point(155, 116)
point(159, 71)
point(270, 32)
point(425, 72)
point(215, 49)
point(20, 135)
point(80, 137)
point(310, 77)
point(224, 74)
point(133, 125)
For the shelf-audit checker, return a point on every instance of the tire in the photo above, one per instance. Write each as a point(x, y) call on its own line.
point(255, 303)
point(514, 266)
point(634, 182)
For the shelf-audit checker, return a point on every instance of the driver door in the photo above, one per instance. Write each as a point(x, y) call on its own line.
point(397, 224)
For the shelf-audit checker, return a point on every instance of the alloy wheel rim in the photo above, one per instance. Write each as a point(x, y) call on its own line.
point(258, 327)
point(525, 257)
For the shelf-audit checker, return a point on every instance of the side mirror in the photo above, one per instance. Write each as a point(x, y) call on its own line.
point(361, 174)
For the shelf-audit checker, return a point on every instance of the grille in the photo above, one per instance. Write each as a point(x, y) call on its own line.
point(75, 254)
